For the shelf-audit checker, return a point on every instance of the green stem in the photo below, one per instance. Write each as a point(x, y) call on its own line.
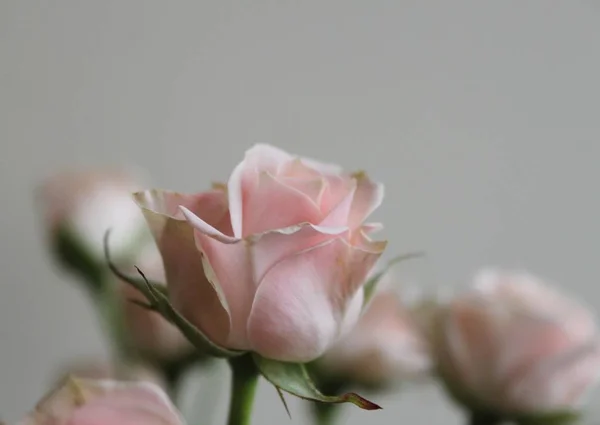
point(111, 311)
point(478, 418)
point(325, 413)
point(244, 377)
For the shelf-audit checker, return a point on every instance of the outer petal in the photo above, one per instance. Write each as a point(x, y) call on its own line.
point(301, 302)
point(558, 382)
point(89, 402)
point(236, 266)
point(189, 289)
point(127, 404)
point(227, 265)
point(367, 199)
point(471, 340)
point(274, 205)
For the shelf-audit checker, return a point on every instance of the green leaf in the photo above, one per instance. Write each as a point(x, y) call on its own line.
point(293, 378)
point(158, 301)
point(371, 284)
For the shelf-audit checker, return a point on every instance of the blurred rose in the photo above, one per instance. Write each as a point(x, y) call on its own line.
point(274, 262)
point(385, 346)
point(104, 370)
point(150, 333)
point(517, 347)
point(102, 402)
point(87, 203)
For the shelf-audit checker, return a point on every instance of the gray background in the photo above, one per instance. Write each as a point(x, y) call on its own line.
point(482, 118)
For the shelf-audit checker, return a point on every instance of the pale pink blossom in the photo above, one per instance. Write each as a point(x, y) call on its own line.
point(273, 262)
point(85, 204)
point(97, 369)
point(385, 346)
point(517, 346)
point(102, 402)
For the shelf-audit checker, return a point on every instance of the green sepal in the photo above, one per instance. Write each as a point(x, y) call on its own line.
point(371, 284)
point(157, 300)
point(293, 378)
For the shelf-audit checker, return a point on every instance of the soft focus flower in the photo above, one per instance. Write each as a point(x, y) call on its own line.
point(515, 347)
point(150, 333)
point(102, 402)
point(87, 203)
point(275, 261)
point(385, 346)
point(95, 369)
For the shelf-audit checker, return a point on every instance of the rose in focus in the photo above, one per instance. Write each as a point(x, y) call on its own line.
point(514, 347)
point(274, 261)
point(101, 402)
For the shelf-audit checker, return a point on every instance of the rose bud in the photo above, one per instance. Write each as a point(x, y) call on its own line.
point(149, 333)
point(385, 347)
point(275, 261)
point(103, 370)
point(82, 206)
point(89, 402)
point(514, 348)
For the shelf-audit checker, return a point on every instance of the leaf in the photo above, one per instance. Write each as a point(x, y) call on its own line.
point(371, 284)
point(158, 301)
point(293, 378)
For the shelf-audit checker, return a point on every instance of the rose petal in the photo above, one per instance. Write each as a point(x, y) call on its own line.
point(267, 249)
point(367, 198)
point(274, 205)
point(369, 228)
point(322, 167)
point(127, 404)
point(227, 265)
point(186, 280)
point(338, 215)
point(300, 304)
point(313, 188)
point(297, 169)
point(559, 382)
point(244, 178)
point(336, 189)
point(86, 402)
point(471, 334)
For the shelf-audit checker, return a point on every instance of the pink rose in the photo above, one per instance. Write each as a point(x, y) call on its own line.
point(150, 333)
point(385, 346)
point(275, 261)
point(517, 346)
point(88, 402)
point(87, 203)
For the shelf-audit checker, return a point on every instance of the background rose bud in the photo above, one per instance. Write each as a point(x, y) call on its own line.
point(276, 262)
point(516, 347)
point(385, 346)
point(89, 402)
point(150, 333)
point(87, 203)
point(94, 369)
